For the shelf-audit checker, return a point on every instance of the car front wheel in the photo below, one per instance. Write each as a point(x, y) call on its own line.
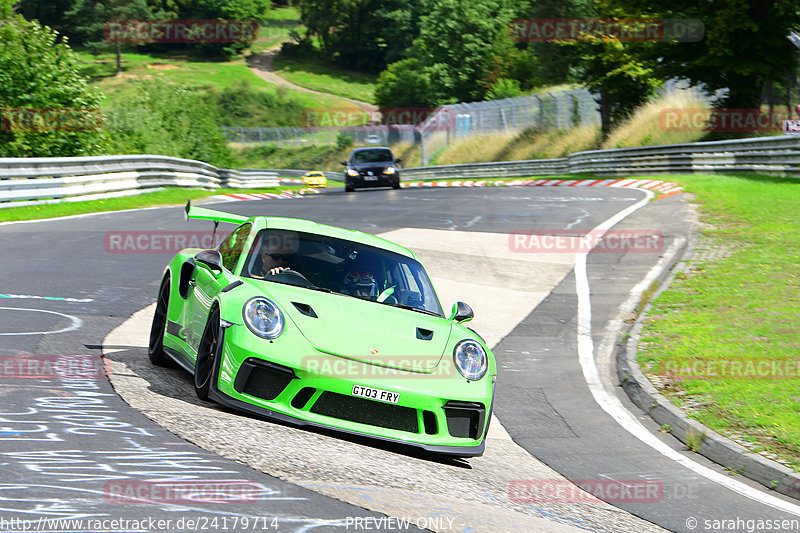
point(207, 353)
point(155, 350)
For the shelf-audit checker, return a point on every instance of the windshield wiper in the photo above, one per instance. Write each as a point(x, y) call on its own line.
point(316, 288)
point(417, 309)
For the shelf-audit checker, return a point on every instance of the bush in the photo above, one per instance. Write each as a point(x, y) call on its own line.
point(168, 120)
point(40, 78)
point(343, 141)
point(244, 105)
point(504, 88)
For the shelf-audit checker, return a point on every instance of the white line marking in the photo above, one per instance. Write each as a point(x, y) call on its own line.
point(611, 404)
point(52, 298)
point(76, 322)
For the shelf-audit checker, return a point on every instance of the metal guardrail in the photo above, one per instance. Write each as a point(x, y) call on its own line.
point(777, 156)
point(29, 181)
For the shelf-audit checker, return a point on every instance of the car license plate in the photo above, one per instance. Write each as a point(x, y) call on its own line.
point(376, 394)
point(370, 178)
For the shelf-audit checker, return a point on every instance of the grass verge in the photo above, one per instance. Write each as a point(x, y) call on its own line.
point(182, 69)
point(319, 75)
point(168, 196)
point(722, 341)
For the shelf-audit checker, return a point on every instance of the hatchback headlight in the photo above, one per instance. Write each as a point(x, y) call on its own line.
point(470, 359)
point(352, 172)
point(263, 317)
point(389, 170)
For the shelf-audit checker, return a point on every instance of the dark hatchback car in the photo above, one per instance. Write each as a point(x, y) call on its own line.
point(371, 167)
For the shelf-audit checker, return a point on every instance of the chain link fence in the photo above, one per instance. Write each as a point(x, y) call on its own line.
point(298, 137)
point(545, 111)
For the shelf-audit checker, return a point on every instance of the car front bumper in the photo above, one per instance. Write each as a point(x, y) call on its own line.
point(383, 180)
point(440, 414)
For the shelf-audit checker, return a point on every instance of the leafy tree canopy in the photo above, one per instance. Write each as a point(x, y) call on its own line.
point(463, 48)
point(745, 44)
point(42, 94)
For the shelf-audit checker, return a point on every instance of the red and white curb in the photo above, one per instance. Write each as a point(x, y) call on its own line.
point(262, 195)
point(666, 188)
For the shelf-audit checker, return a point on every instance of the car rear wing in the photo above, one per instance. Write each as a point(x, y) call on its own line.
point(212, 214)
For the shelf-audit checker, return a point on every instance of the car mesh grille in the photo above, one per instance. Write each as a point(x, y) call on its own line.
point(365, 411)
point(262, 379)
point(464, 419)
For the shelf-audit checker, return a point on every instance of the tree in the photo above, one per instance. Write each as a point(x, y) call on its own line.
point(363, 34)
point(548, 63)
point(622, 80)
point(89, 19)
point(48, 108)
point(47, 12)
point(463, 49)
point(745, 45)
point(404, 84)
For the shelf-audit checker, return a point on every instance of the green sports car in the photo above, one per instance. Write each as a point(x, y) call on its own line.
point(315, 325)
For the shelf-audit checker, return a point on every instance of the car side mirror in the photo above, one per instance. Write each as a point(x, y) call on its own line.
point(343, 163)
point(461, 312)
point(210, 258)
point(398, 160)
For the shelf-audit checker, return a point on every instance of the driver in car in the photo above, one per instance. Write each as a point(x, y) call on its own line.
point(360, 284)
point(274, 260)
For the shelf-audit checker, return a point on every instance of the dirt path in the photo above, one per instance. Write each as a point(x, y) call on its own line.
point(261, 65)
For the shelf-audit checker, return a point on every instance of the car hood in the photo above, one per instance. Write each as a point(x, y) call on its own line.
point(371, 332)
point(362, 166)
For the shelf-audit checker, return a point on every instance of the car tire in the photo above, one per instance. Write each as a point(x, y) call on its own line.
point(155, 349)
point(207, 353)
point(348, 188)
point(396, 185)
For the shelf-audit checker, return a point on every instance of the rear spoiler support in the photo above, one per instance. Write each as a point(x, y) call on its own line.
point(201, 213)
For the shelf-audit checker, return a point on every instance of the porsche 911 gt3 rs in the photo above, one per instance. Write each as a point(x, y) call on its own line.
point(316, 325)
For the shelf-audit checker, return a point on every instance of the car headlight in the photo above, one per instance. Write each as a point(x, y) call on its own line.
point(389, 170)
point(351, 172)
point(263, 317)
point(471, 359)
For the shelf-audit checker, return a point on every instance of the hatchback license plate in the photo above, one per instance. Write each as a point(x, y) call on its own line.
point(376, 394)
point(370, 178)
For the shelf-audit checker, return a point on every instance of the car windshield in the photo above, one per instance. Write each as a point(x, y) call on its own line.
point(319, 262)
point(379, 155)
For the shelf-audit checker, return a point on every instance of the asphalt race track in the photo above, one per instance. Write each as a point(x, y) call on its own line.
point(72, 449)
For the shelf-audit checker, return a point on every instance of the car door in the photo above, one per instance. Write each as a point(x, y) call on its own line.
point(208, 283)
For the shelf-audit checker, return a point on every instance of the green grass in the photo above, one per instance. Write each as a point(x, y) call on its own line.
point(168, 196)
point(743, 306)
point(181, 69)
point(312, 157)
point(321, 76)
point(281, 21)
